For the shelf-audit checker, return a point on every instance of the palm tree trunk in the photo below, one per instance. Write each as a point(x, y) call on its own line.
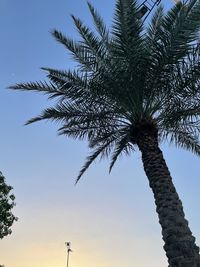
point(180, 246)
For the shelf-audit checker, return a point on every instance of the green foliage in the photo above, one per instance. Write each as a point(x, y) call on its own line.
point(6, 205)
point(132, 73)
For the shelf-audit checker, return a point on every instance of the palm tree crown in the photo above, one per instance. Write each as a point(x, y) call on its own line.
point(132, 78)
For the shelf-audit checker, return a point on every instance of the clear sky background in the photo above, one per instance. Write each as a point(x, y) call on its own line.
point(109, 219)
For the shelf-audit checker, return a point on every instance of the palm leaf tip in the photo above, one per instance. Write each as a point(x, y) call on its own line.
point(35, 119)
point(122, 146)
point(99, 23)
point(17, 86)
point(100, 150)
point(55, 33)
point(59, 37)
point(87, 164)
point(115, 156)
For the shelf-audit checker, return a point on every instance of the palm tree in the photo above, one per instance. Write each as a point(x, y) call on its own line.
point(135, 86)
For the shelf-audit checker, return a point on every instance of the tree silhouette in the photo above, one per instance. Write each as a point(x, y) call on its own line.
point(6, 205)
point(135, 86)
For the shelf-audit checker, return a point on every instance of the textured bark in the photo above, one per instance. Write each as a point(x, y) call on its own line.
point(180, 246)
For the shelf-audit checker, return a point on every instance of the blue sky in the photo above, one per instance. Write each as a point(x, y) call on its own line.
point(110, 219)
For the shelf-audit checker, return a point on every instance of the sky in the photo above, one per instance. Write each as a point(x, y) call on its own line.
point(109, 219)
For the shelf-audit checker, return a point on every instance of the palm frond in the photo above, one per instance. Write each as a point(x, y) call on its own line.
point(58, 113)
point(79, 52)
point(91, 158)
point(70, 84)
point(99, 23)
point(180, 28)
point(90, 41)
point(85, 126)
point(121, 145)
point(191, 4)
point(40, 86)
point(186, 74)
point(127, 28)
point(154, 30)
point(186, 140)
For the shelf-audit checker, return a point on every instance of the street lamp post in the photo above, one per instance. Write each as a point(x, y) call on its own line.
point(68, 245)
point(146, 7)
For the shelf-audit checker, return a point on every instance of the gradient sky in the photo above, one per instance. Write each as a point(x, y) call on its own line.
point(109, 219)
